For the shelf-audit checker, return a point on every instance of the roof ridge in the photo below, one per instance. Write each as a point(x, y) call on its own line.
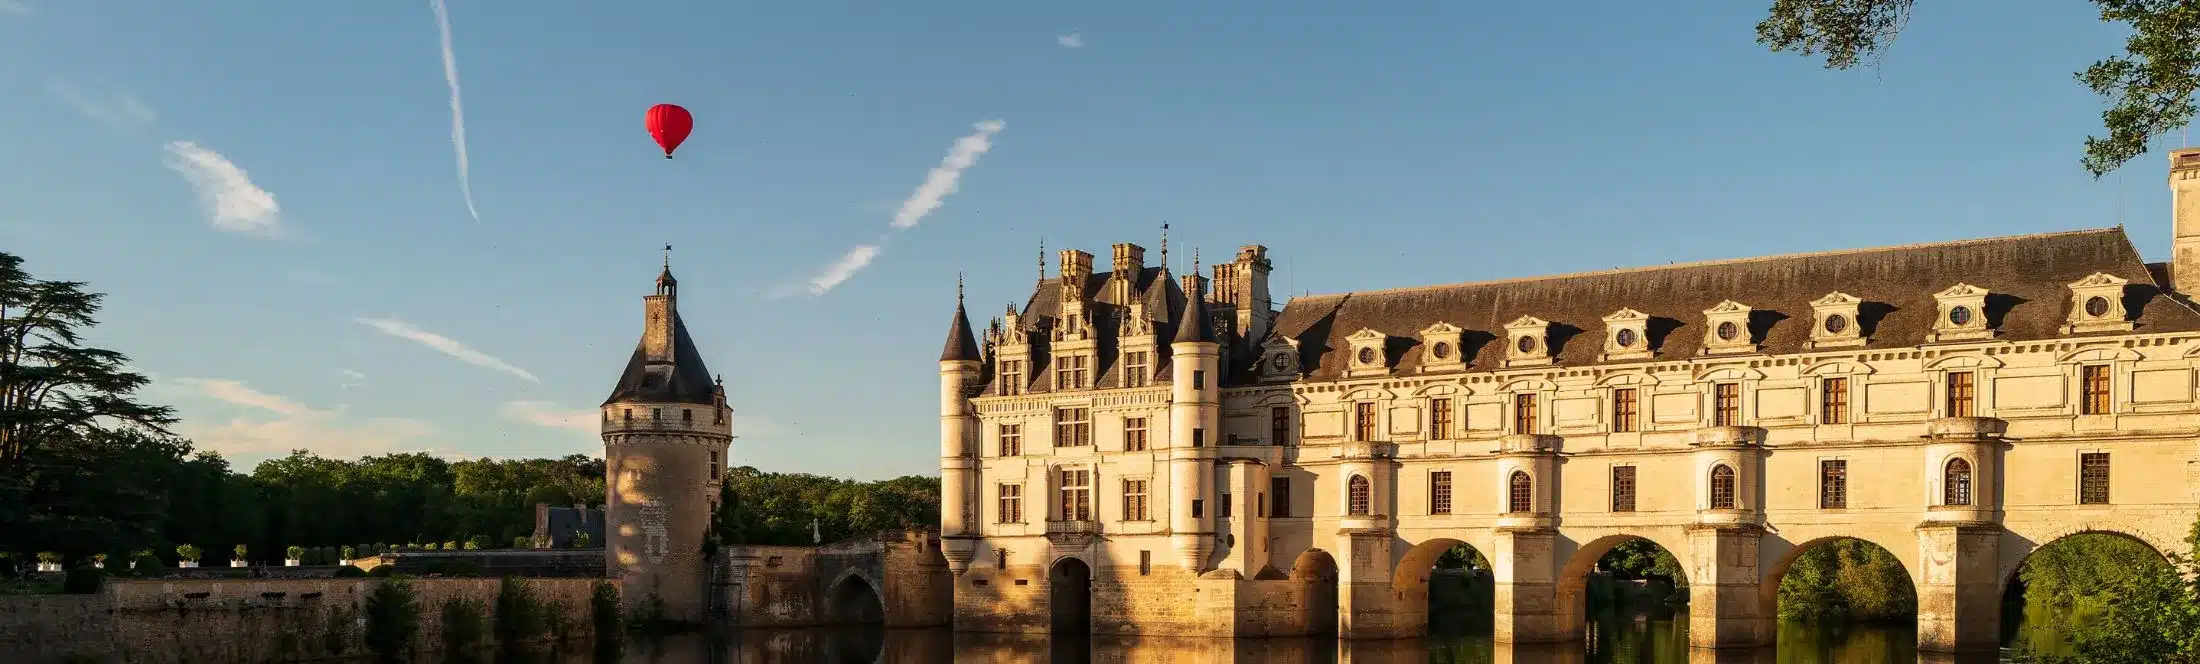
point(1720, 261)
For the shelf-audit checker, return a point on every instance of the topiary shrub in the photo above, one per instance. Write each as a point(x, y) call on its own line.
point(146, 564)
point(521, 543)
point(83, 580)
point(382, 571)
point(349, 553)
point(351, 572)
point(295, 552)
point(478, 542)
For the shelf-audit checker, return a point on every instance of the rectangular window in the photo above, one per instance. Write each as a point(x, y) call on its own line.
point(1072, 427)
point(1012, 503)
point(714, 465)
point(1134, 501)
point(1626, 412)
point(1363, 421)
point(1145, 563)
point(1279, 425)
point(1012, 440)
point(1136, 368)
point(1199, 437)
point(1960, 399)
point(1439, 492)
point(1000, 558)
point(1199, 379)
point(1833, 401)
point(2093, 478)
point(656, 413)
point(1134, 434)
point(1223, 506)
point(1623, 488)
point(687, 415)
point(1280, 487)
point(1726, 409)
point(1076, 494)
point(2095, 380)
point(1199, 508)
point(1012, 377)
point(1069, 372)
point(1439, 419)
point(1260, 504)
point(1524, 417)
point(1833, 484)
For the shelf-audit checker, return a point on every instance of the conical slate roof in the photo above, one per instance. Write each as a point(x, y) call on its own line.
point(961, 344)
point(685, 380)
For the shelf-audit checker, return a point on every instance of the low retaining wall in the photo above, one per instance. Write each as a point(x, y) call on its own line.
point(170, 621)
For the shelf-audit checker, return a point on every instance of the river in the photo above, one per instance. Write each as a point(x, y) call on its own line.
point(1632, 637)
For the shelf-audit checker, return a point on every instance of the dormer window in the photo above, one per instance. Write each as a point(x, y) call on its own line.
point(1962, 315)
point(1729, 329)
point(1440, 348)
point(1368, 353)
point(1529, 342)
point(2097, 305)
point(1279, 359)
point(1627, 335)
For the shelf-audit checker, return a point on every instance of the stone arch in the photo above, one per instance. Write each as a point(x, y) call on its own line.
point(2100, 354)
point(1963, 362)
point(2007, 572)
point(1359, 495)
point(1628, 379)
point(1958, 481)
point(1768, 589)
point(1573, 576)
point(1316, 573)
point(1069, 596)
point(854, 598)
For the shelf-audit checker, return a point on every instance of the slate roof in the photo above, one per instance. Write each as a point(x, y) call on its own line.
point(1163, 300)
point(688, 380)
point(2026, 275)
point(961, 344)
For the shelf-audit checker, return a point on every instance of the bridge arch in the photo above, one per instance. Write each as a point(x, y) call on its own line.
point(1316, 572)
point(1573, 576)
point(854, 598)
point(1768, 591)
point(2012, 561)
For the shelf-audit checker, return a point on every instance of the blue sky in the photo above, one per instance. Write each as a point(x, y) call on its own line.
point(269, 193)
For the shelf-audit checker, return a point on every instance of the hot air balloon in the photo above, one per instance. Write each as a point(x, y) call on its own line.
point(669, 124)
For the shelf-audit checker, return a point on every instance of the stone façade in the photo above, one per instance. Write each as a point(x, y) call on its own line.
point(1209, 458)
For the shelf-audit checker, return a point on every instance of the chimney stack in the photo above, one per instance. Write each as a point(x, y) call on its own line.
point(1130, 259)
point(2184, 188)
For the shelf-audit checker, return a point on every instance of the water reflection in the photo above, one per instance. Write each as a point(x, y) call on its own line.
point(1646, 637)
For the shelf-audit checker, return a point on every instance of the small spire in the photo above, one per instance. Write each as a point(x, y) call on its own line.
point(668, 256)
point(1164, 245)
point(958, 290)
point(1042, 258)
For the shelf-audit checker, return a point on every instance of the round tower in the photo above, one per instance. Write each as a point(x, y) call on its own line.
point(666, 430)
point(959, 370)
point(1194, 419)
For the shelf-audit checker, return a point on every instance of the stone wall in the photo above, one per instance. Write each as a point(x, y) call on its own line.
point(175, 621)
point(896, 577)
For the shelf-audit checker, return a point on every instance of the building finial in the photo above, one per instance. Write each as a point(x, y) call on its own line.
point(668, 256)
point(1164, 245)
point(1042, 258)
point(958, 290)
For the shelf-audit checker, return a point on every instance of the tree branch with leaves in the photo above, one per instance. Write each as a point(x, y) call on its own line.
point(2149, 88)
point(51, 384)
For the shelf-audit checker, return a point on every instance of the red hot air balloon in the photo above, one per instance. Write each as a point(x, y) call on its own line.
point(669, 124)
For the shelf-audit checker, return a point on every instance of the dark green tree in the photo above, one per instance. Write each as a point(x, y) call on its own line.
point(2149, 88)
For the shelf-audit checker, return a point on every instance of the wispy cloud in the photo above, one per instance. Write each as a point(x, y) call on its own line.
point(16, 7)
point(849, 264)
point(943, 180)
point(116, 108)
point(273, 425)
point(546, 414)
point(354, 375)
point(1071, 40)
point(946, 178)
point(445, 345)
point(232, 202)
point(458, 110)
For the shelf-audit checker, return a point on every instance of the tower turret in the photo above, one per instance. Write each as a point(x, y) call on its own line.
point(959, 368)
point(1194, 418)
point(666, 430)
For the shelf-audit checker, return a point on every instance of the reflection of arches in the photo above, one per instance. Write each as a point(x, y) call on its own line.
point(1069, 597)
point(1768, 592)
point(1316, 571)
point(1956, 483)
point(1573, 578)
point(853, 600)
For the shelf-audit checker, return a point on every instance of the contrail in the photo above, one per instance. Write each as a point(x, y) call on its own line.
point(458, 111)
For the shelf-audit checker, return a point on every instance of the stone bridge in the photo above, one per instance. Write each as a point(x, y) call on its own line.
point(891, 578)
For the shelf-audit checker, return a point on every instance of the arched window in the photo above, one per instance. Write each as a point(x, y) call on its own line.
point(1956, 487)
point(1356, 496)
point(1523, 493)
point(1722, 487)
